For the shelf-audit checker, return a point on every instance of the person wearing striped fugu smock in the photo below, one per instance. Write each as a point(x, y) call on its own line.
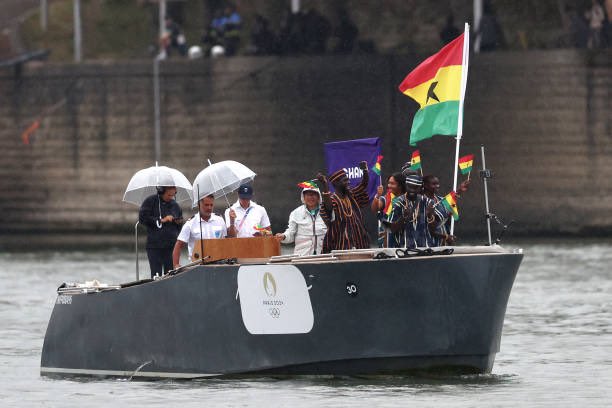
point(341, 211)
point(417, 220)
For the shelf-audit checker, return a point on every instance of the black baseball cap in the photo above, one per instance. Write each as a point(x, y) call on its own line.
point(245, 191)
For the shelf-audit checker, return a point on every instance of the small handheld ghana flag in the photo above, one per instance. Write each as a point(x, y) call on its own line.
point(415, 161)
point(465, 163)
point(376, 167)
point(261, 229)
point(450, 203)
point(308, 184)
point(390, 201)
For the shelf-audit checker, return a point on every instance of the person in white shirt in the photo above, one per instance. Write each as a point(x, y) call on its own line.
point(204, 225)
point(306, 227)
point(245, 218)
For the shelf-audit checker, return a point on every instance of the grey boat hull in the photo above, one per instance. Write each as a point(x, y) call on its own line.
point(366, 317)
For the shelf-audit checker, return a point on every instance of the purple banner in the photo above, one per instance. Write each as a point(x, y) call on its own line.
point(347, 155)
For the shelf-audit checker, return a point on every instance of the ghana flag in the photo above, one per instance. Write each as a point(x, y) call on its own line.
point(376, 168)
point(465, 163)
point(436, 86)
point(450, 203)
point(415, 160)
point(390, 200)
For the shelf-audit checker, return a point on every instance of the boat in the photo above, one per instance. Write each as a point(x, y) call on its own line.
point(359, 312)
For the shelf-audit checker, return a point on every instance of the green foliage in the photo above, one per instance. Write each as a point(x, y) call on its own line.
point(58, 37)
point(129, 28)
point(111, 28)
point(122, 29)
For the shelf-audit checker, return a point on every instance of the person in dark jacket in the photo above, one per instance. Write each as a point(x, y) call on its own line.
point(163, 218)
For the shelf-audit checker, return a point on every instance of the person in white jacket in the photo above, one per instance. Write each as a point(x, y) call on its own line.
point(306, 227)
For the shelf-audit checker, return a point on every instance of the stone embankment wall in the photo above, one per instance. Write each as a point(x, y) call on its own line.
point(542, 116)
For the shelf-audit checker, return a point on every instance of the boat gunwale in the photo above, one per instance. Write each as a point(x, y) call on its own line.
point(334, 260)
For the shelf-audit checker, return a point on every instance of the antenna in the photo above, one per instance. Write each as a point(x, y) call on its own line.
point(486, 174)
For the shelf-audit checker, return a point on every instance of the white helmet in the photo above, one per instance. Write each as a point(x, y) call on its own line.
point(217, 51)
point(194, 52)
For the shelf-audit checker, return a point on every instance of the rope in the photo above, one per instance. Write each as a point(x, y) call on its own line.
point(412, 252)
point(382, 255)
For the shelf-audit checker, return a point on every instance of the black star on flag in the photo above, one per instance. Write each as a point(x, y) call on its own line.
point(431, 93)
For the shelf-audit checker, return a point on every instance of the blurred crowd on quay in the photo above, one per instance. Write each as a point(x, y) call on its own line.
point(113, 29)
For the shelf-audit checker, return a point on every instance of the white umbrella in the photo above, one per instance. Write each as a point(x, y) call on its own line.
point(145, 182)
point(220, 179)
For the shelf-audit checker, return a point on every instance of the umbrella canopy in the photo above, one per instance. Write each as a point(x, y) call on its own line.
point(145, 182)
point(220, 179)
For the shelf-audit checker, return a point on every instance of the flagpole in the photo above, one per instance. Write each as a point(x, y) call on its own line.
point(464, 74)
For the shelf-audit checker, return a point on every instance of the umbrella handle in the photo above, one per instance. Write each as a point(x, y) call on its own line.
point(224, 195)
point(158, 222)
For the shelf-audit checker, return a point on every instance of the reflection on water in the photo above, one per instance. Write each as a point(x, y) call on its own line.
point(556, 348)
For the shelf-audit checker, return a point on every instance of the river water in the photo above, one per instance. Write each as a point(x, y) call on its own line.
point(556, 348)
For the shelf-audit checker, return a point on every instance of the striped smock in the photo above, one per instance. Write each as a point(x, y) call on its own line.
point(345, 225)
point(386, 237)
point(443, 216)
point(415, 232)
